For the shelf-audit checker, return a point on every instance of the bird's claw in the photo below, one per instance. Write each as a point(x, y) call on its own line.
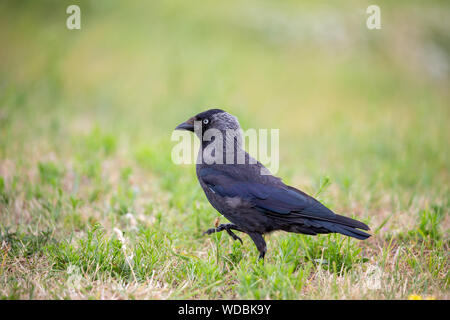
point(221, 228)
point(209, 231)
point(235, 237)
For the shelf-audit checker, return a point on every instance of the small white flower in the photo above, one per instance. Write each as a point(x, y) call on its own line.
point(120, 235)
point(75, 277)
point(128, 258)
point(373, 278)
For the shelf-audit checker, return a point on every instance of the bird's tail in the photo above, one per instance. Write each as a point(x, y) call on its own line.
point(347, 226)
point(339, 224)
point(346, 230)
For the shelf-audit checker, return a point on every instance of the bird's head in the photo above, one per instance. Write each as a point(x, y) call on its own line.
point(210, 119)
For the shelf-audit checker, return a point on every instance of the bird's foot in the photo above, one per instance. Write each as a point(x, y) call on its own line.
point(227, 228)
point(234, 236)
point(210, 231)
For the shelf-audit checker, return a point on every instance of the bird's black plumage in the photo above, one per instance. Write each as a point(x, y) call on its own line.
point(258, 203)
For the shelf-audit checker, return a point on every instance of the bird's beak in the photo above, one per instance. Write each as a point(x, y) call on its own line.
point(188, 125)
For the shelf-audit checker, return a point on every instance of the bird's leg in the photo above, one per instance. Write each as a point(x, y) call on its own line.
point(259, 242)
point(227, 227)
point(234, 236)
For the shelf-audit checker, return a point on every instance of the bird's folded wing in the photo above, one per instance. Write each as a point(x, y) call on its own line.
point(267, 198)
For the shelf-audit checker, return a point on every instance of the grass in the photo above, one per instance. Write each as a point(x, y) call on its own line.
point(92, 207)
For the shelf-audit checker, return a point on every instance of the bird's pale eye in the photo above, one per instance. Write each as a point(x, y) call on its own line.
point(205, 121)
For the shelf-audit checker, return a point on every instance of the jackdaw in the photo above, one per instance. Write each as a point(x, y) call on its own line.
point(255, 201)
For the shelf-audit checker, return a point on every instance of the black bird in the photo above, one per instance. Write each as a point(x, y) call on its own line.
point(256, 203)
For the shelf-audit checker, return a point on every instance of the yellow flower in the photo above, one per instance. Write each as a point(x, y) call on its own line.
point(414, 297)
point(430, 298)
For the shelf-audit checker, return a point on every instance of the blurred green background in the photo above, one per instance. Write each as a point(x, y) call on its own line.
point(365, 110)
point(366, 104)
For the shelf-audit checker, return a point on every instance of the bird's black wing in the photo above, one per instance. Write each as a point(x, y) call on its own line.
point(275, 199)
